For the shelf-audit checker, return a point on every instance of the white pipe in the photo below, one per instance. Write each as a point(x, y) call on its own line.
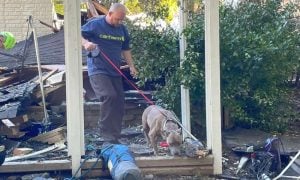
point(45, 120)
point(292, 177)
point(185, 95)
point(286, 168)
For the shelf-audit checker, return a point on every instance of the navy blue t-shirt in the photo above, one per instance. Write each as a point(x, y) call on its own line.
point(111, 41)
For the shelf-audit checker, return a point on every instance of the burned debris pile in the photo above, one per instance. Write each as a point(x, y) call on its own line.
point(21, 111)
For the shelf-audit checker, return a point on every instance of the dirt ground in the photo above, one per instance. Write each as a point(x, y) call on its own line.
point(236, 137)
point(289, 142)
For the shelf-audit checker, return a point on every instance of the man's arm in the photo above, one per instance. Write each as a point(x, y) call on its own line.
point(128, 57)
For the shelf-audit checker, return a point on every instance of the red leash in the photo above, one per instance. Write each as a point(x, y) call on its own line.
point(133, 85)
point(122, 74)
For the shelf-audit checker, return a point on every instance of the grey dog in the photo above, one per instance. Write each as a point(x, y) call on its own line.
point(158, 122)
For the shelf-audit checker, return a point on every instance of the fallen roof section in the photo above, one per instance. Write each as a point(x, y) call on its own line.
point(51, 49)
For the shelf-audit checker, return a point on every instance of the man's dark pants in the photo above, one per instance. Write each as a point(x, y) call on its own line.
point(110, 92)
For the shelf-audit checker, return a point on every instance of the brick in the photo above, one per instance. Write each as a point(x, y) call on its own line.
point(18, 11)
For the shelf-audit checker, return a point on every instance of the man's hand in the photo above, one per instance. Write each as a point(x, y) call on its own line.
point(133, 71)
point(128, 57)
point(89, 46)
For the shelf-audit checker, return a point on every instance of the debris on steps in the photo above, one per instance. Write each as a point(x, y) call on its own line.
point(52, 137)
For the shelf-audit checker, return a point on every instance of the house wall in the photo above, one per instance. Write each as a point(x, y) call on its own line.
point(14, 14)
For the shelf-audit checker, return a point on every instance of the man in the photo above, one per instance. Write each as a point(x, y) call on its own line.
point(107, 39)
point(7, 40)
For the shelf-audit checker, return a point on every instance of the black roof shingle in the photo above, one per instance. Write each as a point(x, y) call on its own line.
point(51, 50)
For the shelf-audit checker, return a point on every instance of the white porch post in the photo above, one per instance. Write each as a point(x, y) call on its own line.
point(74, 84)
point(212, 82)
point(185, 95)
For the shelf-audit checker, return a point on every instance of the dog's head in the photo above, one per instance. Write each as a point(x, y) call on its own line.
point(174, 140)
point(173, 136)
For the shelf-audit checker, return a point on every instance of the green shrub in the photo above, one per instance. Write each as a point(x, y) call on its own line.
point(156, 53)
point(259, 46)
point(259, 50)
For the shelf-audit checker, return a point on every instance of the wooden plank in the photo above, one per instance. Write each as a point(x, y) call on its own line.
point(12, 132)
point(92, 8)
point(172, 161)
point(163, 168)
point(35, 112)
point(21, 151)
point(57, 78)
point(45, 77)
point(35, 166)
point(54, 29)
point(34, 109)
point(56, 146)
point(38, 95)
point(56, 139)
point(27, 72)
point(49, 137)
point(16, 135)
point(19, 119)
point(52, 137)
point(156, 162)
point(8, 123)
point(3, 70)
point(49, 134)
point(184, 171)
point(96, 173)
point(7, 80)
point(99, 7)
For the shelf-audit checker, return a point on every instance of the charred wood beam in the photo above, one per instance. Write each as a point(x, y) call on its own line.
point(54, 29)
point(11, 55)
point(99, 7)
point(18, 92)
